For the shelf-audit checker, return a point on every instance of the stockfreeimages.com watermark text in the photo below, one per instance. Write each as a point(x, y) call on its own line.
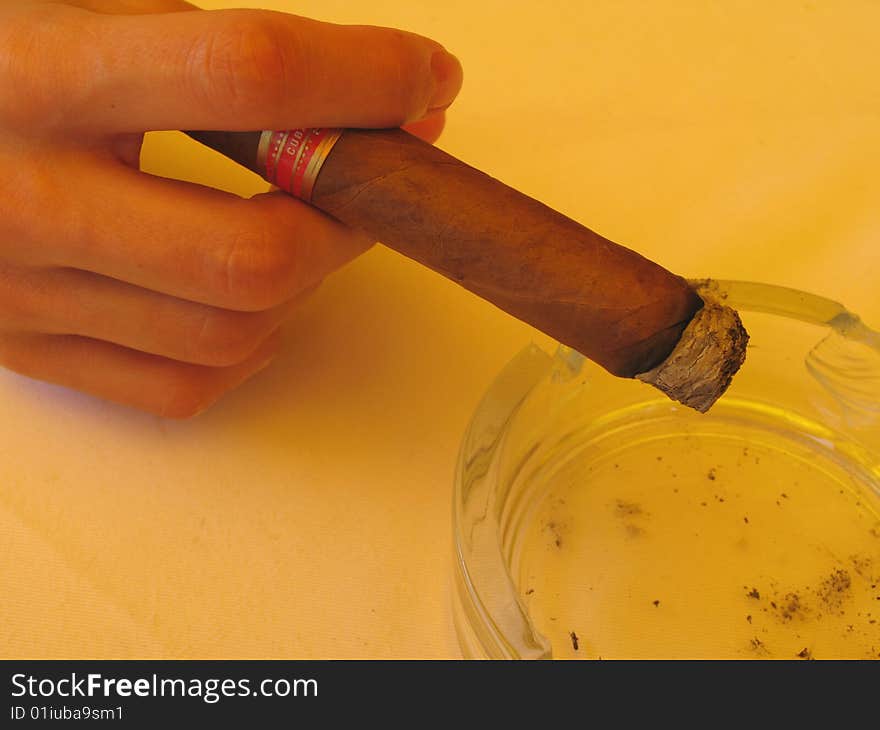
point(211, 690)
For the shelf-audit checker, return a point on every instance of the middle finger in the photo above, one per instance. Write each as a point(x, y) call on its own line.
point(181, 239)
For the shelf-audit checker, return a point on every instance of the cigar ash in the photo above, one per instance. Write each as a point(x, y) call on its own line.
point(711, 350)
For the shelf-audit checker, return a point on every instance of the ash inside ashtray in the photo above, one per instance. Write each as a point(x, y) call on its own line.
point(697, 541)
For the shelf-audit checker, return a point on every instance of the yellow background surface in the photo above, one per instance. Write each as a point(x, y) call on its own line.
point(308, 513)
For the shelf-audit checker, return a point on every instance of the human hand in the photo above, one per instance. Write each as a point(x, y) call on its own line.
point(155, 293)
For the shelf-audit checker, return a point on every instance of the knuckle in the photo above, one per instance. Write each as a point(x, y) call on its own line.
point(16, 302)
point(256, 271)
point(8, 298)
point(24, 190)
point(224, 338)
point(7, 353)
point(241, 64)
point(16, 355)
point(36, 92)
point(18, 69)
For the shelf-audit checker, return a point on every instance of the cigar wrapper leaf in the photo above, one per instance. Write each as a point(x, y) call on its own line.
point(626, 313)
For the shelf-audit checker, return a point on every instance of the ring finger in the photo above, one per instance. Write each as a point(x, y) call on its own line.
point(73, 302)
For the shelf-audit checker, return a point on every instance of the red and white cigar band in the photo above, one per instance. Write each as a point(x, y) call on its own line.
point(292, 159)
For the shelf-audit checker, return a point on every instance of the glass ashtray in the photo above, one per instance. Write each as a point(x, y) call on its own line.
point(594, 518)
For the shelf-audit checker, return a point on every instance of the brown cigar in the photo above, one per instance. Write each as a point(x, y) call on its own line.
point(617, 308)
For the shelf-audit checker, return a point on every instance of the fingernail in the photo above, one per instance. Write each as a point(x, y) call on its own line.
point(448, 76)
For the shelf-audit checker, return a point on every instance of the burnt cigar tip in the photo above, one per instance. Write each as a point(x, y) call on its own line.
point(700, 368)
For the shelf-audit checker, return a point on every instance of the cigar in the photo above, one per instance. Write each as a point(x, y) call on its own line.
point(617, 308)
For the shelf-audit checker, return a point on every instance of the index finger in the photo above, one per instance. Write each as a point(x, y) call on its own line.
point(219, 70)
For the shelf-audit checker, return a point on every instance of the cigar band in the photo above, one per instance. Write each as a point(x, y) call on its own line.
point(293, 158)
